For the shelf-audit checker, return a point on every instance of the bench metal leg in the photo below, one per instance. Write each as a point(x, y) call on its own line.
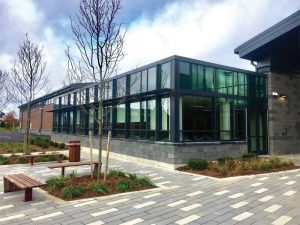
point(28, 194)
point(31, 160)
point(95, 168)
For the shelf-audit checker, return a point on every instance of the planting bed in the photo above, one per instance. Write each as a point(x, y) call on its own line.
point(74, 187)
point(239, 167)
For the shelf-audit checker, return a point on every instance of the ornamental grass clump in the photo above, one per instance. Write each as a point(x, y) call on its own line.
point(55, 183)
point(116, 173)
point(198, 164)
point(71, 192)
point(124, 185)
point(99, 188)
point(145, 181)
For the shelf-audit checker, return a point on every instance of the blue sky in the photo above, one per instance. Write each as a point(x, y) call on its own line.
point(208, 30)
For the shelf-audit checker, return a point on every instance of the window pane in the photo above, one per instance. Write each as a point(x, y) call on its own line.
point(165, 75)
point(135, 117)
point(196, 118)
point(224, 81)
point(184, 74)
point(144, 81)
point(120, 124)
point(151, 125)
point(209, 79)
point(152, 79)
point(224, 118)
point(121, 87)
point(135, 83)
point(165, 119)
point(108, 90)
point(91, 119)
point(143, 119)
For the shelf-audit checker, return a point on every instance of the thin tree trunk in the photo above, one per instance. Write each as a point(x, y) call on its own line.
point(100, 119)
point(26, 152)
point(91, 152)
point(107, 154)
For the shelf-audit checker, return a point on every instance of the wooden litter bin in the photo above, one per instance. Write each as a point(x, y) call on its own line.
point(74, 151)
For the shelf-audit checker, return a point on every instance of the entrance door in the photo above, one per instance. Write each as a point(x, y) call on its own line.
point(257, 133)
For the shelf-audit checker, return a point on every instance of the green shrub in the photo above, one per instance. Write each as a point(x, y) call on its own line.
point(61, 145)
point(32, 141)
point(222, 160)
point(45, 144)
point(72, 175)
point(55, 144)
point(4, 160)
point(51, 143)
point(55, 183)
point(22, 160)
point(124, 185)
point(145, 181)
point(249, 155)
point(132, 176)
point(71, 192)
point(116, 173)
point(99, 188)
point(198, 164)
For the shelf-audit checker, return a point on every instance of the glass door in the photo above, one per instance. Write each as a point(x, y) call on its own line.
point(257, 133)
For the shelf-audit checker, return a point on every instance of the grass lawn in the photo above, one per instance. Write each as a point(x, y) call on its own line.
point(79, 187)
point(237, 167)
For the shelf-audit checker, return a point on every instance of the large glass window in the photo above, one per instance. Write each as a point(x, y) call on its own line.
point(121, 87)
point(64, 122)
point(120, 123)
point(144, 81)
point(165, 119)
point(196, 119)
point(257, 86)
point(230, 119)
point(224, 81)
point(107, 119)
point(202, 78)
point(184, 74)
point(224, 118)
point(135, 120)
point(80, 125)
point(108, 90)
point(240, 84)
point(55, 121)
point(165, 75)
point(152, 79)
point(71, 127)
point(135, 83)
point(151, 123)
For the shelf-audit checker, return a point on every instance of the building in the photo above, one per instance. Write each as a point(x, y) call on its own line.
point(179, 108)
point(277, 53)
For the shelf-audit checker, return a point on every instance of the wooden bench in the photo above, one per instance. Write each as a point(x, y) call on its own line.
point(60, 157)
point(16, 182)
point(70, 164)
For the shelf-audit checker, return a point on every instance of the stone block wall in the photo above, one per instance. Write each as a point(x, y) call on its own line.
point(168, 155)
point(284, 114)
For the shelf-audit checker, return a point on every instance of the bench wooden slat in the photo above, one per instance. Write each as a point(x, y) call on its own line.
point(30, 180)
point(69, 164)
point(23, 181)
point(29, 156)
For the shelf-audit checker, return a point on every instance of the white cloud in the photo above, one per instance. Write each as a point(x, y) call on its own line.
point(203, 30)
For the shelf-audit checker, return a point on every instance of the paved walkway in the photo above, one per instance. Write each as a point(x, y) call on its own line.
point(181, 199)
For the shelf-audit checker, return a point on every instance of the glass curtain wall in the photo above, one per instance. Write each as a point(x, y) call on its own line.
point(135, 120)
point(165, 119)
point(120, 122)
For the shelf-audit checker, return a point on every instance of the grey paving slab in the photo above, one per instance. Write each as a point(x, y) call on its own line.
point(215, 208)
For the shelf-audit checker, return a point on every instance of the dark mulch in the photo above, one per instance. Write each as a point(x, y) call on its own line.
point(87, 181)
point(212, 173)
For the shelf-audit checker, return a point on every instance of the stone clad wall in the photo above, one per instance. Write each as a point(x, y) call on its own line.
point(160, 154)
point(284, 114)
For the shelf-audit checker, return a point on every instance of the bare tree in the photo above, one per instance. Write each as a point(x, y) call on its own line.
point(28, 79)
point(99, 40)
point(5, 96)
